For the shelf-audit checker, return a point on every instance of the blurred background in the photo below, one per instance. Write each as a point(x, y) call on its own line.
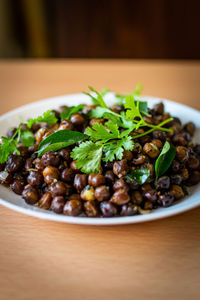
point(100, 29)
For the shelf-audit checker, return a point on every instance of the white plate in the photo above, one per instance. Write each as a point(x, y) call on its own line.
point(11, 200)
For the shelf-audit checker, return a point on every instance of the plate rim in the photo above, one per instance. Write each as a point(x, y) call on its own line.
point(95, 221)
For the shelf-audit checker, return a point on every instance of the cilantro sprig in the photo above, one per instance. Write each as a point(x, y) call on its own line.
point(47, 117)
point(108, 142)
point(10, 145)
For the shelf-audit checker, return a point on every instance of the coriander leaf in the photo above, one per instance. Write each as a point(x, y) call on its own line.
point(98, 99)
point(100, 132)
point(48, 117)
point(119, 119)
point(113, 128)
point(139, 176)
point(27, 138)
point(7, 147)
point(70, 110)
point(99, 112)
point(134, 93)
point(59, 140)
point(114, 150)
point(128, 144)
point(165, 159)
point(88, 157)
point(132, 111)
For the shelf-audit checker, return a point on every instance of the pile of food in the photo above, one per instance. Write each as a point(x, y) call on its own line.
point(100, 161)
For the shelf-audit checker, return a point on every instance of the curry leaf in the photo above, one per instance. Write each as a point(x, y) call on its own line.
point(139, 176)
point(60, 139)
point(165, 159)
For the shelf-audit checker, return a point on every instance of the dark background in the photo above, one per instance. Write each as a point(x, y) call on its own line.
point(100, 28)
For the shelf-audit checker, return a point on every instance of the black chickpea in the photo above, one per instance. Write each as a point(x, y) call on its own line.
point(194, 178)
point(120, 168)
point(38, 164)
point(17, 186)
point(157, 143)
point(141, 159)
point(151, 150)
point(120, 197)
point(108, 209)
point(137, 198)
point(166, 199)
point(35, 178)
point(148, 205)
point(30, 195)
point(159, 108)
point(65, 154)
point(177, 191)
point(96, 180)
point(176, 179)
point(102, 193)
point(193, 163)
point(50, 174)
point(67, 175)
point(129, 210)
point(66, 125)
point(14, 163)
point(11, 132)
point(75, 197)
point(29, 164)
point(80, 181)
point(58, 204)
point(58, 189)
point(120, 184)
point(190, 128)
point(184, 173)
point(77, 120)
point(74, 167)
point(45, 201)
point(109, 176)
point(50, 159)
point(73, 208)
point(150, 195)
point(182, 153)
point(163, 183)
point(90, 209)
point(93, 121)
point(128, 155)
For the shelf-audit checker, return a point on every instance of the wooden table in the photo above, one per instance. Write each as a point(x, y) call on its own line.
point(46, 260)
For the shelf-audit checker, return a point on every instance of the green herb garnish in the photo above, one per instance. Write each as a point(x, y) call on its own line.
point(59, 140)
point(48, 117)
point(99, 96)
point(24, 136)
point(139, 176)
point(9, 145)
point(165, 159)
point(88, 156)
point(103, 133)
point(70, 110)
point(114, 150)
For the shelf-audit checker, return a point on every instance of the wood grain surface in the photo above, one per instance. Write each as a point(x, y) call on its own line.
point(47, 260)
